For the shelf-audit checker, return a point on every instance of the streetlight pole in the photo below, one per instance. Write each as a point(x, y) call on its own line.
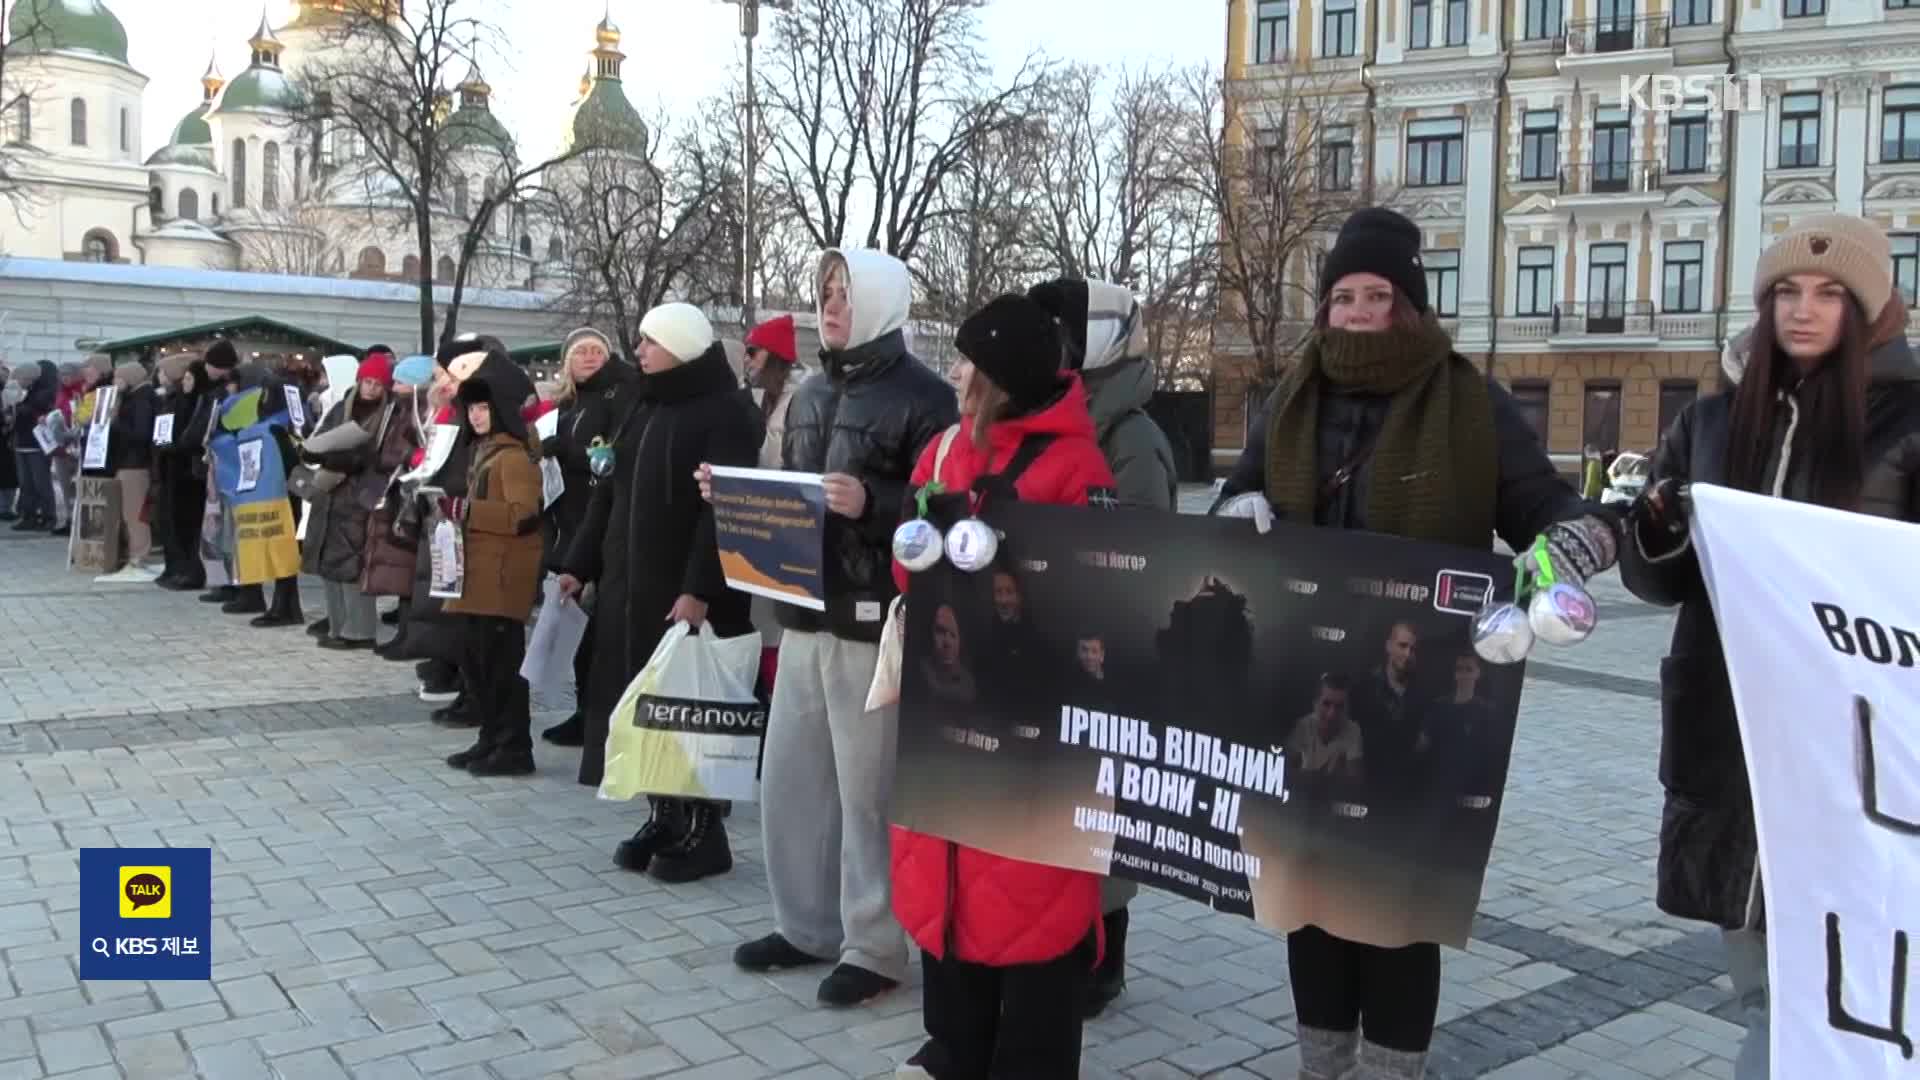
point(749, 236)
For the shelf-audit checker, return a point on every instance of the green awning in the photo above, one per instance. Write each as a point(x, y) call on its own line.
point(259, 327)
point(545, 352)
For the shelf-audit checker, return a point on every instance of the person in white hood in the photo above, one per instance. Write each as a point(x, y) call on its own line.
point(828, 771)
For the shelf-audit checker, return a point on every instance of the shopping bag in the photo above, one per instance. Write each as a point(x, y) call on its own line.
point(689, 725)
point(556, 637)
point(885, 690)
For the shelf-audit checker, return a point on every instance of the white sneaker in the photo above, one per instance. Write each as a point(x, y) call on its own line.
point(128, 575)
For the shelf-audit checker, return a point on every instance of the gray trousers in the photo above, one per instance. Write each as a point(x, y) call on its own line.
point(350, 612)
point(825, 785)
point(1747, 967)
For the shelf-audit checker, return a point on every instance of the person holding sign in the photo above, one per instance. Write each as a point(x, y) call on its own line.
point(596, 393)
point(1381, 426)
point(130, 460)
point(647, 543)
point(1819, 403)
point(32, 389)
point(179, 495)
point(1008, 947)
point(828, 768)
point(499, 572)
point(350, 483)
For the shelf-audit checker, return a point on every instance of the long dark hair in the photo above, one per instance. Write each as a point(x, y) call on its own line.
point(1832, 432)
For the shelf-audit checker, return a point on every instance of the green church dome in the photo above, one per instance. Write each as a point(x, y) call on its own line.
point(257, 88)
point(606, 118)
point(79, 25)
point(192, 130)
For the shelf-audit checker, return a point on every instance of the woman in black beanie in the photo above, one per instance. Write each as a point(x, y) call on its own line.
point(1381, 426)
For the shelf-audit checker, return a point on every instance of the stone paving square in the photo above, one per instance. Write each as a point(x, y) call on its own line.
point(379, 916)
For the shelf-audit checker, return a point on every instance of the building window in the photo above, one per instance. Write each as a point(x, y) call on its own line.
point(156, 203)
point(1339, 28)
point(1533, 293)
point(216, 204)
point(410, 268)
point(1906, 265)
point(555, 252)
point(1895, 5)
point(24, 117)
point(1693, 12)
point(1419, 24)
point(1542, 20)
point(1531, 397)
point(1434, 152)
point(270, 177)
point(1270, 31)
point(79, 111)
point(1600, 426)
point(239, 167)
point(459, 183)
point(190, 204)
point(1456, 22)
point(126, 130)
point(1612, 148)
point(372, 263)
point(1680, 288)
point(1799, 130)
point(443, 269)
point(1336, 157)
point(1687, 141)
point(526, 245)
point(1805, 9)
point(99, 246)
point(1675, 396)
point(1540, 144)
point(1606, 288)
point(1900, 124)
point(299, 172)
point(1443, 282)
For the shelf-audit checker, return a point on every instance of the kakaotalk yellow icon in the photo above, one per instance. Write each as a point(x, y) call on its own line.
point(146, 892)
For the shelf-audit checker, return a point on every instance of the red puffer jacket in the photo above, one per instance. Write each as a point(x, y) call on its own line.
point(988, 909)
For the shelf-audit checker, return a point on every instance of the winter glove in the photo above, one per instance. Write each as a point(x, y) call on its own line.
point(1664, 512)
point(1578, 549)
point(1253, 505)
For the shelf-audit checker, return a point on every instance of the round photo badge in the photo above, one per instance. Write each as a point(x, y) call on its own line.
point(1562, 614)
point(972, 544)
point(600, 457)
point(917, 545)
point(1501, 631)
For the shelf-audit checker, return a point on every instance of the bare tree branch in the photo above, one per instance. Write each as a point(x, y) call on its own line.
point(20, 103)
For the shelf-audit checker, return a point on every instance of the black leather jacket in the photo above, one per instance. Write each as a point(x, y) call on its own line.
point(869, 415)
point(1707, 868)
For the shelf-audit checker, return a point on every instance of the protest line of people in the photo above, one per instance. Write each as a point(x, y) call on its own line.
point(447, 483)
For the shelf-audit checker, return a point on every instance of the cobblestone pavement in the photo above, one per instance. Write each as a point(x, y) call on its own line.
point(380, 916)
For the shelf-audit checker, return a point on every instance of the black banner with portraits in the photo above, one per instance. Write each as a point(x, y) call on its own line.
point(1291, 727)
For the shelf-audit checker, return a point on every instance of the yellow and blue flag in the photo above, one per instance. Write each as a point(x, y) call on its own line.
point(249, 473)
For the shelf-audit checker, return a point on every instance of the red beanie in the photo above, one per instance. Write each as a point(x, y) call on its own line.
point(376, 366)
point(776, 336)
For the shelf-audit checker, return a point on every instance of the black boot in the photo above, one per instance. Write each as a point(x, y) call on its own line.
point(220, 595)
point(456, 714)
point(464, 759)
point(320, 629)
point(247, 600)
point(286, 605)
point(1110, 978)
point(702, 852)
point(664, 827)
point(569, 732)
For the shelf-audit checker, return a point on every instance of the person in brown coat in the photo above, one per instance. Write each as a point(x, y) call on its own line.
point(501, 542)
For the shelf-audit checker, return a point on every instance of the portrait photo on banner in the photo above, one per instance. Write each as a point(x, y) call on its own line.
point(1291, 727)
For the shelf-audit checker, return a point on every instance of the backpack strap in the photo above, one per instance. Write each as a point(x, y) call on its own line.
point(1023, 458)
point(946, 444)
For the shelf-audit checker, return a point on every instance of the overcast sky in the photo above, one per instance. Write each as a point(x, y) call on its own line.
point(678, 51)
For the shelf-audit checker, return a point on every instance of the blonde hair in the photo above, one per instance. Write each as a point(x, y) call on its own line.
point(562, 387)
point(984, 406)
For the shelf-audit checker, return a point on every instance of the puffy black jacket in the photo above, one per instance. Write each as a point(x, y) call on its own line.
point(37, 404)
point(869, 414)
point(1531, 494)
point(599, 405)
point(1707, 868)
point(131, 445)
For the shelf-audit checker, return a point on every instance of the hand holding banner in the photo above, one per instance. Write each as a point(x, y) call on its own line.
point(770, 527)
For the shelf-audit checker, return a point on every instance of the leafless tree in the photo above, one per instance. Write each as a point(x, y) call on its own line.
point(18, 91)
point(646, 228)
point(788, 257)
point(871, 105)
point(295, 239)
point(1258, 169)
point(375, 104)
point(980, 244)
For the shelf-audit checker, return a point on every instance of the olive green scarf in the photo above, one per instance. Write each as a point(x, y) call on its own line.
point(1434, 467)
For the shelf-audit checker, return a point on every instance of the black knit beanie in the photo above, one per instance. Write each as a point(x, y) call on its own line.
point(221, 356)
point(1016, 343)
point(1066, 300)
point(1378, 241)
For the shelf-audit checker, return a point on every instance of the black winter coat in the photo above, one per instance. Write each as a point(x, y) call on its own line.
point(869, 415)
point(1531, 494)
point(647, 538)
point(599, 405)
point(1707, 868)
point(131, 444)
point(35, 406)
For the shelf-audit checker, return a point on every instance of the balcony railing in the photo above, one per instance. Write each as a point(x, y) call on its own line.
point(1628, 318)
point(1614, 34)
point(1610, 178)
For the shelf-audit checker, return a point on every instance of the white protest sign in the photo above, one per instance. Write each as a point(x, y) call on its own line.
point(250, 461)
point(163, 430)
point(1819, 615)
point(296, 408)
point(440, 441)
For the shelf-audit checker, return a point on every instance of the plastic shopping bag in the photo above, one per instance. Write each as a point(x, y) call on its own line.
point(885, 690)
point(689, 724)
point(557, 634)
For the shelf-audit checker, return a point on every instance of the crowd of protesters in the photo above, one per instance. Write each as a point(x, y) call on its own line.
point(1049, 395)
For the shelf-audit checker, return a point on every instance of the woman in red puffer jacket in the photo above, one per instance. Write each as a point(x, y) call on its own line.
point(1007, 945)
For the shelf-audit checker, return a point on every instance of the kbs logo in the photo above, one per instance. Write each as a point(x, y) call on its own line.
point(146, 892)
point(1457, 592)
point(1671, 93)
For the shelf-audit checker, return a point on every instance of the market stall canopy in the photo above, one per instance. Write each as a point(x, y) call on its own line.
point(255, 328)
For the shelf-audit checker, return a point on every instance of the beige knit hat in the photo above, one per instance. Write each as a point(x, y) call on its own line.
point(1850, 250)
point(131, 374)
